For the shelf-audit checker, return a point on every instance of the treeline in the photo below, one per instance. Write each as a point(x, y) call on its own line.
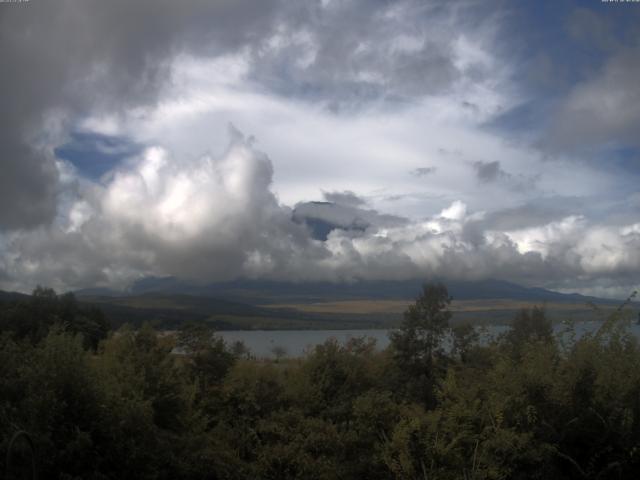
point(136, 404)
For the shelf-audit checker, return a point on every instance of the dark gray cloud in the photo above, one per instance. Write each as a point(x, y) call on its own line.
point(324, 217)
point(347, 198)
point(588, 27)
point(602, 110)
point(423, 171)
point(28, 183)
point(524, 216)
point(347, 52)
point(489, 171)
point(600, 107)
point(516, 218)
point(492, 172)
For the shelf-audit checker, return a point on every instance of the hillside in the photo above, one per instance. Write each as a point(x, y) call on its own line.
point(169, 311)
point(248, 305)
point(260, 292)
point(251, 304)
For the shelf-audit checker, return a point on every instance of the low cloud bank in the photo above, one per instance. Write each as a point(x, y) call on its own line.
point(216, 218)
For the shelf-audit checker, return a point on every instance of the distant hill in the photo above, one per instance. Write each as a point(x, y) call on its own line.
point(259, 304)
point(252, 304)
point(12, 296)
point(261, 292)
point(170, 311)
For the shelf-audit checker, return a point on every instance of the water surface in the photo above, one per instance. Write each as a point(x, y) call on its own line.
point(298, 342)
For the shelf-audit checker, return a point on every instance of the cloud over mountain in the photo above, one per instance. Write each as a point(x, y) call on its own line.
point(405, 139)
point(216, 218)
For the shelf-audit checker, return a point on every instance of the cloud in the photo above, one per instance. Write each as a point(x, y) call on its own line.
point(347, 97)
point(603, 110)
point(28, 184)
point(345, 53)
point(313, 149)
point(423, 171)
point(488, 171)
point(205, 218)
point(347, 198)
point(215, 217)
point(524, 216)
point(65, 59)
point(72, 58)
point(456, 211)
point(324, 217)
point(585, 25)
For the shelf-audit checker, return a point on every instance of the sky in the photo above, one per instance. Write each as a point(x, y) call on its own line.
point(327, 140)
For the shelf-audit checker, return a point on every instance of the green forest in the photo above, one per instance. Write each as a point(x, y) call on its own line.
point(140, 404)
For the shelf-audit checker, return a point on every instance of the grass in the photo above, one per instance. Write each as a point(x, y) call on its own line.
point(399, 306)
point(171, 311)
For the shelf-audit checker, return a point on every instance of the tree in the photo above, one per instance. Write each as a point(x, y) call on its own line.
point(424, 325)
point(529, 326)
point(33, 317)
point(417, 341)
point(207, 356)
point(464, 338)
point(279, 352)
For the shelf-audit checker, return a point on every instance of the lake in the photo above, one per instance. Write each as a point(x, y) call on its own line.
point(297, 342)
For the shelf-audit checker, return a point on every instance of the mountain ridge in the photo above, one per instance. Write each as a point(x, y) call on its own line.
point(259, 292)
point(258, 304)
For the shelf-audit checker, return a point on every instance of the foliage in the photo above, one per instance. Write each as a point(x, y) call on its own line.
point(417, 344)
point(33, 318)
point(529, 325)
point(140, 404)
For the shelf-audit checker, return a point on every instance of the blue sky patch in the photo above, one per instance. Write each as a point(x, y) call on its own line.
point(95, 154)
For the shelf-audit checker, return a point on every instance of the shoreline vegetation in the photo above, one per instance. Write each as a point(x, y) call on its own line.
point(99, 403)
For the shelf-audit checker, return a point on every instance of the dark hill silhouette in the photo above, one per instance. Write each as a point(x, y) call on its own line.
point(245, 304)
point(267, 291)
